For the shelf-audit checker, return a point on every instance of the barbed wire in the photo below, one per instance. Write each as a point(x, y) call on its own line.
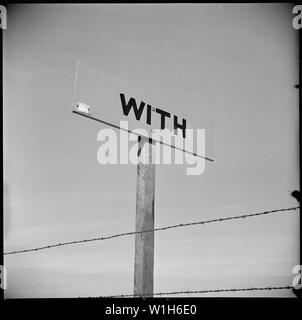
point(202, 222)
point(201, 291)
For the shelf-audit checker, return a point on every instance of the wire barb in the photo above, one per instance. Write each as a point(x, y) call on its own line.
point(203, 222)
point(202, 291)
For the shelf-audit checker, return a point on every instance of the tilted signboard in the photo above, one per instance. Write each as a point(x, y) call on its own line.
point(122, 104)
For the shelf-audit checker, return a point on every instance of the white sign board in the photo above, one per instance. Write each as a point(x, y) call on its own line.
point(113, 100)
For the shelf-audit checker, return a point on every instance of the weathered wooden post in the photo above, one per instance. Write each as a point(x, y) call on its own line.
point(144, 242)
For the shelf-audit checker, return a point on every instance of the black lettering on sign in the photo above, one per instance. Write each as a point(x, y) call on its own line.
point(163, 115)
point(179, 126)
point(149, 109)
point(132, 104)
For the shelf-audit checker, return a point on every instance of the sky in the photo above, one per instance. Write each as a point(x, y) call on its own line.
point(235, 64)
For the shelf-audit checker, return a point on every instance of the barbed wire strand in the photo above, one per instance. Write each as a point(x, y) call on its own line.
point(203, 222)
point(202, 291)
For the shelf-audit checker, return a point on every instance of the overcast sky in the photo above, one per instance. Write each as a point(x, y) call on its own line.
point(235, 64)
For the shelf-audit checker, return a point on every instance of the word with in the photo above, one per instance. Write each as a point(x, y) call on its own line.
point(131, 104)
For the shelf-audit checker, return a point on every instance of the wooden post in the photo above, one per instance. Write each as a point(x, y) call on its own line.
point(144, 242)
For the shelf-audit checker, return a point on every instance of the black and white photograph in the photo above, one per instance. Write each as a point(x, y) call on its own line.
point(151, 150)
